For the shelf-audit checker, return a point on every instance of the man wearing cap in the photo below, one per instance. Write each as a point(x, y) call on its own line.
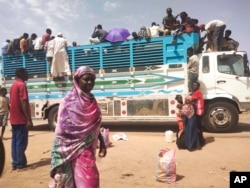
point(216, 29)
point(60, 63)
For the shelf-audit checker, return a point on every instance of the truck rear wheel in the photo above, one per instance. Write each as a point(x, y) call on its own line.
point(220, 117)
point(52, 118)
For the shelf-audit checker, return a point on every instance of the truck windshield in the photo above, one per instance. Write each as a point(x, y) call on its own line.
point(233, 64)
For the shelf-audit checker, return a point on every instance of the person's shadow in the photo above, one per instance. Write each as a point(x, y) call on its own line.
point(209, 139)
point(42, 162)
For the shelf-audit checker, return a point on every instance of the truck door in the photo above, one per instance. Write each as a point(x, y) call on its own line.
point(206, 75)
point(232, 77)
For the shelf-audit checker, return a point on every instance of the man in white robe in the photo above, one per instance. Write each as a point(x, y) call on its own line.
point(60, 63)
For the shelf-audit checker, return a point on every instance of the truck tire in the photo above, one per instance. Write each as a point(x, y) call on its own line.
point(52, 117)
point(220, 117)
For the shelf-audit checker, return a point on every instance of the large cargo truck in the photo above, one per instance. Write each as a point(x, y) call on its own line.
point(137, 80)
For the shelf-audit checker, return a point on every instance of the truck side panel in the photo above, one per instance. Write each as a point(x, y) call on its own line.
point(136, 78)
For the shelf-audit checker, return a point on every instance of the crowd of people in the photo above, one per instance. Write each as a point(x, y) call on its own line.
point(214, 38)
point(55, 48)
point(74, 152)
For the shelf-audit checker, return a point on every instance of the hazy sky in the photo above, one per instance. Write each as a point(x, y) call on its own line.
point(76, 18)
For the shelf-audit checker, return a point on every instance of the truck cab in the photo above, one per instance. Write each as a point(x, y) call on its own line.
point(225, 83)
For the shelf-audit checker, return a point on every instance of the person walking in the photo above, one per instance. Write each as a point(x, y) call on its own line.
point(73, 154)
point(20, 119)
point(4, 109)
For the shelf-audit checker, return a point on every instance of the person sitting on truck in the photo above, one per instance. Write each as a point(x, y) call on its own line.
point(229, 43)
point(99, 35)
point(186, 22)
point(192, 68)
point(154, 30)
point(135, 35)
point(186, 26)
point(169, 23)
point(143, 33)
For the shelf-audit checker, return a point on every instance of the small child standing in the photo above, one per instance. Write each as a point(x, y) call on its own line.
point(4, 109)
point(179, 117)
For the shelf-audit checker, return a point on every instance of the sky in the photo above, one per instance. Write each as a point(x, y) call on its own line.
point(76, 19)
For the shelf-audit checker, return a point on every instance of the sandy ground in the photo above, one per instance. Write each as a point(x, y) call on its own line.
point(132, 163)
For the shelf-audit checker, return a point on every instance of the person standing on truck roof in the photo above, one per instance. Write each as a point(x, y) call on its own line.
point(99, 35)
point(216, 28)
point(20, 119)
point(154, 30)
point(60, 63)
point(192, 68)
point(77, 133)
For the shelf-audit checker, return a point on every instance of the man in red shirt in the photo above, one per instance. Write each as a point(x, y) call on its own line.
point(46, 37)
point(198, 100)
point(20, 119)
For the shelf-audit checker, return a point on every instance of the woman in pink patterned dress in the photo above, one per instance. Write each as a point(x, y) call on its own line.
point(76, 135)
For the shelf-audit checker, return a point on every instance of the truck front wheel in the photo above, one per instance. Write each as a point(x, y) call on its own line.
point(52, 118)
point(220, 117)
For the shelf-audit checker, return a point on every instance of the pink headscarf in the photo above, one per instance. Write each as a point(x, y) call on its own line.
point(79, 121)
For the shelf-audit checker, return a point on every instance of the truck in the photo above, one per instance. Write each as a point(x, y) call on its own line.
point(137, 81)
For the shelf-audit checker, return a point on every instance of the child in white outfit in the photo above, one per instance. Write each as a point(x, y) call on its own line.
point(4, 109)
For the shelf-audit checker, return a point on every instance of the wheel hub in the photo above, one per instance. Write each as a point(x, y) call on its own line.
point(220, 117)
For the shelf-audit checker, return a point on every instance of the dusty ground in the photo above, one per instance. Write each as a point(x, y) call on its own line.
point(132, 163)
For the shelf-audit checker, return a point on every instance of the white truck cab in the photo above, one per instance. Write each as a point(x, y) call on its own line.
point(225, 83)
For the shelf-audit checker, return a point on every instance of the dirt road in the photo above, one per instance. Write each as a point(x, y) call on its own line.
point(132, 163)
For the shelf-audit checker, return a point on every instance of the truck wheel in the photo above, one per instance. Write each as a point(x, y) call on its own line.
point(52, 118)
point(220, 117)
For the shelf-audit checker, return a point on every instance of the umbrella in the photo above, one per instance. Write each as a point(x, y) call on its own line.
point(117, 35)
